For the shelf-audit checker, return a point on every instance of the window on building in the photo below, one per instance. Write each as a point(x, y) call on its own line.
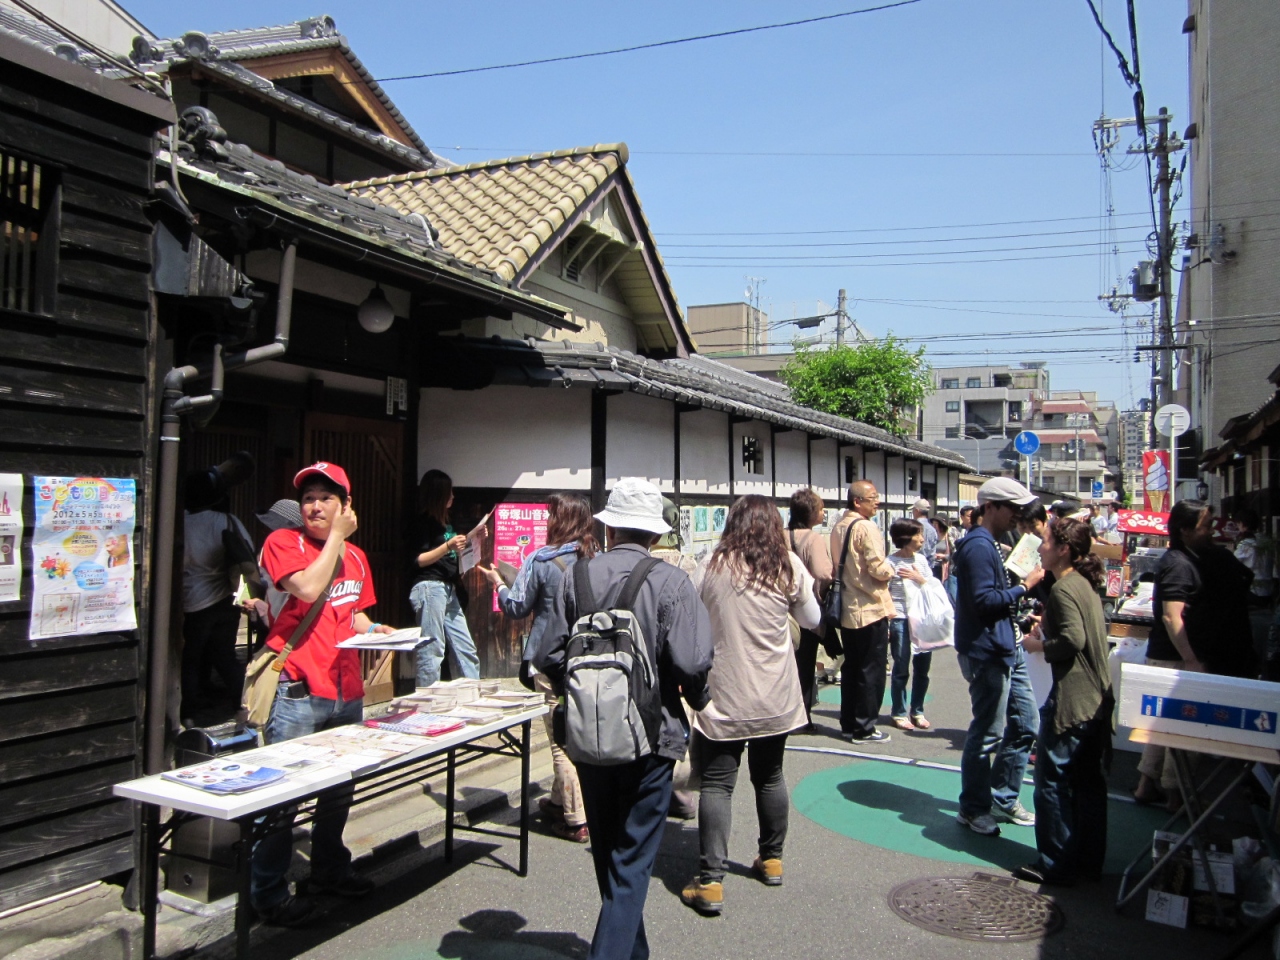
point(953, 406)
point(912, 478)
point(973, 382)
point(850, 471)
point(752, 455)
point(1015, 411)
point(26, 282)
point(570, 262)
point(951, 383)
point(953, 433)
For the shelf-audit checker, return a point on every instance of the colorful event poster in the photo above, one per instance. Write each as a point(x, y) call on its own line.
point(518, 530)
point(82, 554)
point(10, 536)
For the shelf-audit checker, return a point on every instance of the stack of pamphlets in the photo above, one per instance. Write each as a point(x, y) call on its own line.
point(420, 724)
point(225, 776)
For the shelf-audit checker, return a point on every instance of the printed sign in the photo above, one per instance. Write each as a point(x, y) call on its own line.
point(1115, 581)
point(10, 536)
point(519, 529)
point(1213, 714)
point(1142, 521)
point(82, 554)
point(1155, 480)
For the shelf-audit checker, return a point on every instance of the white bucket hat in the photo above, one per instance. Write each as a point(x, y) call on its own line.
point(634, 504)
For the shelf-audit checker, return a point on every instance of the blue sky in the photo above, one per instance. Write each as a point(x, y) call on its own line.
point(807, 156)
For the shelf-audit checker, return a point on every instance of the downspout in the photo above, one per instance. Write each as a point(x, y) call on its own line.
point(175, 405)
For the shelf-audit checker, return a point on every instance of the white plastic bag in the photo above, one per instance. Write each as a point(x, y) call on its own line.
point(1041, 676)
point(930, 616)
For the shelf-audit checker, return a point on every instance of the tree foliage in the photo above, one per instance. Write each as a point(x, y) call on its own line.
point(869, 382)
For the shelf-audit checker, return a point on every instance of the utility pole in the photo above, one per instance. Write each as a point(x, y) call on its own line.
point(840, 319)
point(1164, 249)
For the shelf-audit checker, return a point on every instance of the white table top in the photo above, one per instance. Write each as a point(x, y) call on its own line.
point(1217, 748)
point(297, 785)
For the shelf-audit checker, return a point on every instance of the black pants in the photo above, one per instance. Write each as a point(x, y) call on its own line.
point(209, 637)
point(866, 654)
point(720, 761)
point(807, 664)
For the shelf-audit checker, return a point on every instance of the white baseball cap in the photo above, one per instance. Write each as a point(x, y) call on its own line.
point(634, 504)
point(1005, 490)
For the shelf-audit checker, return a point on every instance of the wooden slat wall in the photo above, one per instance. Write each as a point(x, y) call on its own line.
point(77, 403)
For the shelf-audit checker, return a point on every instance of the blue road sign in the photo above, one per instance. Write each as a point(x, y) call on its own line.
point(1096, 488)
point(1026, 443)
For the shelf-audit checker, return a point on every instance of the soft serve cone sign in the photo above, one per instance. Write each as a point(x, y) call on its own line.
point(1155, 475)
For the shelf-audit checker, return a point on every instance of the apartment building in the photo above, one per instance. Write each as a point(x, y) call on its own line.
point(1134, 434)
point(1077, 435)
point(977, 411)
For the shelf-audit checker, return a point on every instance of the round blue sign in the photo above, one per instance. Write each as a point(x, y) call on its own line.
point(1026, 443)
point(1096, 488)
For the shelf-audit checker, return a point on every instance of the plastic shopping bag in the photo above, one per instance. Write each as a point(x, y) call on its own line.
point(930, 616)
point(1041, 676)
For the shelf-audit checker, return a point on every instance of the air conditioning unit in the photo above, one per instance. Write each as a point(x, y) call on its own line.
point(1146, 281)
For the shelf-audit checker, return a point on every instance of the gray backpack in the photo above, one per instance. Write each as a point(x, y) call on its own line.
point(612, 706)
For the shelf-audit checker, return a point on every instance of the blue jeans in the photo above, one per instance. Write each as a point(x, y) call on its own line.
point(1071, 797)
point(1000, 736)
point(436, 604)
point(330, 859)
point(904, 666)
point(626, 814)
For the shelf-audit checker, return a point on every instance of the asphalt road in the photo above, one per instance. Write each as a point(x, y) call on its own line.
point(858, 828)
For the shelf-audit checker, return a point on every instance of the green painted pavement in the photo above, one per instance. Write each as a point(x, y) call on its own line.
point(830, 694)
point(912, 810)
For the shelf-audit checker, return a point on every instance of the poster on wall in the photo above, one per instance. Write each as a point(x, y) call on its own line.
point(1155, 479)
point(518, 530)
point(82, 555)
point(10, 536)
point(702, 524)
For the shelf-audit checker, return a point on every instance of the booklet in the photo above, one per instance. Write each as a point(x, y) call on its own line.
point(406, 639)
point(1025, 557)
point(507, 572)
point(421, 724)
point(225, 776)
point(470, 555)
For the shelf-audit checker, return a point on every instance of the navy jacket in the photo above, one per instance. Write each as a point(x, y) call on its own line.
point(984, 621)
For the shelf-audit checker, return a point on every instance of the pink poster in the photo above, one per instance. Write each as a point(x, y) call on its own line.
point(518, 530)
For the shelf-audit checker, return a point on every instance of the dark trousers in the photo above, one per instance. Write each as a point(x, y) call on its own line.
point(720, 762)
point(209, 637)
point(866, 654)
point(807, 665)
point(1071, 797)
point(626, 814)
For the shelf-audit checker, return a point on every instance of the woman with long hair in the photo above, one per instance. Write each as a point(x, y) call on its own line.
point(814, 551)
point(749, 584)
point(570, 537)
point(1073, 745)
point(436, 593)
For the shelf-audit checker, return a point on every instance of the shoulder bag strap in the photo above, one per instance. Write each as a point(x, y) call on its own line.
point(309, 618)
point(793, 541)
point(559, 562)
point(584, 598)
point(631, 589)
point(844, 552)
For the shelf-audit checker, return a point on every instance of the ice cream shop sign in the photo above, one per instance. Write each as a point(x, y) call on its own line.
point(1155, 476)
point(1143, 521)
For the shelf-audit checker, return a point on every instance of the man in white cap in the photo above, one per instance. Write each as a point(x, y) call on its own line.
point(920, 512)
point(627, 803)
point(1005, 718)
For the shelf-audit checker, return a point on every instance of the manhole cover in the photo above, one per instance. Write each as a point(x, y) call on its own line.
point(980, 907)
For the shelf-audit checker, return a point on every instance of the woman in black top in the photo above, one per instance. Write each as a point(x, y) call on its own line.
point(436, 581)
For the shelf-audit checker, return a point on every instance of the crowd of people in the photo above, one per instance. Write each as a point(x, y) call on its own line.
point(733, 642)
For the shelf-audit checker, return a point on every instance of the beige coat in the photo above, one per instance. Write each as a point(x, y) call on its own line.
point(864, 594)
point(755, 689)
point(815, 553)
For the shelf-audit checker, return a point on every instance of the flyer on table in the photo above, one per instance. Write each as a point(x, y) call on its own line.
point(82, 556)
point(10, 536)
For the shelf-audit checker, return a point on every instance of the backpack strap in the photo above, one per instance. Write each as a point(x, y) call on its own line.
point(584, 597)
point(559, 562)
point(630, 590)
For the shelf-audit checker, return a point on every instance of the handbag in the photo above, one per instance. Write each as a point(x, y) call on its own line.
point(262, 674)
point(832, 608)
point(238, 556)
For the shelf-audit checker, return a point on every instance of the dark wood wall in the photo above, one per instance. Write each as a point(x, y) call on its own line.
point(74, 371)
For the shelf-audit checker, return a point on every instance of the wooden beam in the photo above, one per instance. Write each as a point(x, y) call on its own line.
point(622, 257)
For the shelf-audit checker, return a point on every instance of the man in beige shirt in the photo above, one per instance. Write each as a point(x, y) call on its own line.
point(866, 609)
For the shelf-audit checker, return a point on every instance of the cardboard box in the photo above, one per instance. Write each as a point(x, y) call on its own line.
point(1135, 630)
point(1221, 864)
point(1226, 709)
point(1108, 551)
point(1167, 908)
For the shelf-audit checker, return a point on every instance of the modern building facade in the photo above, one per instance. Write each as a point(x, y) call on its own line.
point(1134, 432)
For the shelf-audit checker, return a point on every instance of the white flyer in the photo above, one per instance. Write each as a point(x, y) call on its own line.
point(10, 536)
point(82, 555)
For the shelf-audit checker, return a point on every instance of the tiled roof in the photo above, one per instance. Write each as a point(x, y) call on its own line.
point(220, 51)
point(498, 214)
point(32, 31)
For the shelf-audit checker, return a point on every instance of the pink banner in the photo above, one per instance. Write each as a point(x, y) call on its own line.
point(518, 530)
point(1143, 521)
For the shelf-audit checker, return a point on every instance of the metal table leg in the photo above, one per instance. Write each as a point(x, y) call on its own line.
point(244, 876)
point(450, 780)
point(149, 881)
point(525, 729)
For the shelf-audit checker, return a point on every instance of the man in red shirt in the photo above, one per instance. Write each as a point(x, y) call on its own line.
point(320, 686)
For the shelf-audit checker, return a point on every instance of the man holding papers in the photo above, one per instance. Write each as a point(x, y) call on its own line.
point(320, 685)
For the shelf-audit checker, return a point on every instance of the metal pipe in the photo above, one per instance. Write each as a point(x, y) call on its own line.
point(174, 405)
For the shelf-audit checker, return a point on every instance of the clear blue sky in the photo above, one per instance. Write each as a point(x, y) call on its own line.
point(756, 155)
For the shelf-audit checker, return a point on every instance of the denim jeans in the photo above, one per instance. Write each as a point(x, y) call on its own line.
point(1000, 736)
point(905, 665)
point(1071, 797)
point(720, 762)
point(437, 607)
point(330, 859)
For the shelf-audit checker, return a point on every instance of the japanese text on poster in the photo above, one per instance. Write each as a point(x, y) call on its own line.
point(518, 530)
point(82, 553)
point(10, 536)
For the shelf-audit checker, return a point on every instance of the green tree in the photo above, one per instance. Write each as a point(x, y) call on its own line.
point(870, 382)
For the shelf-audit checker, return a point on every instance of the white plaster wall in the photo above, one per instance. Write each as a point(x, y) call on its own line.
point(761, 481)
point(791, 453)
point(873, 470)
point(895, 489)
point(826, 472)
point(641, 440)
point(517, 437)
point(704, 462)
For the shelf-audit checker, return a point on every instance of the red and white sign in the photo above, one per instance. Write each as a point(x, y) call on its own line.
point(518, 530)
point(1143, 521)
point(1155, 481)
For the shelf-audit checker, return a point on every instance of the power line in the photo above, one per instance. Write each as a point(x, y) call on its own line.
point(647, 46)
point(878, 243)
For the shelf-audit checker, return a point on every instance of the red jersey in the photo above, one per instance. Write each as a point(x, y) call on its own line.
point(316, 657)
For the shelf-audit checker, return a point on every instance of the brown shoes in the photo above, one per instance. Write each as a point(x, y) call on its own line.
point(567, 831)
point(706, 898)
point(768, 872)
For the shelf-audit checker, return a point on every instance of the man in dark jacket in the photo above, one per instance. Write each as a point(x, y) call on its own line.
point(627, 803)
point(1004, 709)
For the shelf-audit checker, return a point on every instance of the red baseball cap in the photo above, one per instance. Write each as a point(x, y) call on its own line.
point(330, 471)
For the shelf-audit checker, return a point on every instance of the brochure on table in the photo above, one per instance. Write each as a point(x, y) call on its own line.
point(10, 536)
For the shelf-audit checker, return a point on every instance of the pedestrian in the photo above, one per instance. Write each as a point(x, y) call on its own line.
point(1073, 747)
point(814, 551)
point(750, 584)
point(1218, 626)
point(857, 550)
point(940, 559)
point(909, 563)
point(1256, 557)
point(627, 803)
point(437, 595)
point(1178, 589)
point(570, 537)
point(920, 513)
point(1003, 728)
point(320, 685)
point(966, 521)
